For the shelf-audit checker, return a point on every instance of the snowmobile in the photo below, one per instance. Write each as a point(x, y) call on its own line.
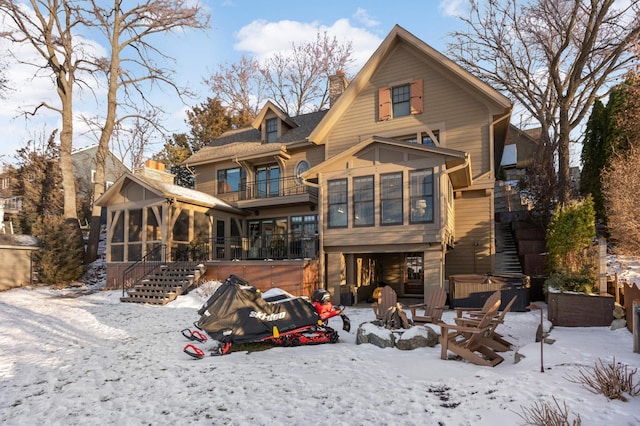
point(238, 313)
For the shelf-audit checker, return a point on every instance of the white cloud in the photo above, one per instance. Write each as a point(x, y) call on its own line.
point(261, 38)
point(452, 7)
point(364, 18)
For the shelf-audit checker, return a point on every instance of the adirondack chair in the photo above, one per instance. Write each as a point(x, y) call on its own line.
point(387, 299)
point(469, 341)
point(479, 312)
point(433, 308)
point(492, 339)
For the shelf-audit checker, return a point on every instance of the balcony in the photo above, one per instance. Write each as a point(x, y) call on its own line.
point(272, 192)
point(11, 205)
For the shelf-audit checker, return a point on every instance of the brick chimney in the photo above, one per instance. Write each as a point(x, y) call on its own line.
point(155, 170)
point(337, 84)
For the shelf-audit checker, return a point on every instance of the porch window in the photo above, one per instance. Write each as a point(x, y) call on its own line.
point(391, 199)
point(134, 249)
point(117, 238)
point(268, 181)
point(363, 203)
point(230, 180)
point(421, 196)
point(337, 203)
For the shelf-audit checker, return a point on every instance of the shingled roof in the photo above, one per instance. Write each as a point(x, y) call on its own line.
point(247, 141)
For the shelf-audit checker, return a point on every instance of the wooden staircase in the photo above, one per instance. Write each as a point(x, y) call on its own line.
point(165, 283)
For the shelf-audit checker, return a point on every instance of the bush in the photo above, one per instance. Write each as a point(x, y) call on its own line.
point(571, 254)
point(546, 414)
point(60, 258)
point(612, 380)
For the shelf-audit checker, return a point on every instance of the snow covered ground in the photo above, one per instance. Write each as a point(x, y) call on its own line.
point(87, 359)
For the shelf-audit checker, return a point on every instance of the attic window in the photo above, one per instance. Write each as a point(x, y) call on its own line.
point(400, 101)
point(271, 129)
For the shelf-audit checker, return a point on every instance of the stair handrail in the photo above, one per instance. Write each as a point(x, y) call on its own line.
point(143, 267)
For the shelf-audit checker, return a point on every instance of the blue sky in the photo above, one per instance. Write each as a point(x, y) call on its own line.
point(253, 28)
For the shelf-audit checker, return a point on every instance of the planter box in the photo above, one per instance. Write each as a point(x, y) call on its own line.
point(580, 310)
point(471, 291)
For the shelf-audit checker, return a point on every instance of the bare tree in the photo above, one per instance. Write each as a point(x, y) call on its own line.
point(47, 26)
point(555, 57)
point(241, 87)
point(297, 80)
point(132, 68)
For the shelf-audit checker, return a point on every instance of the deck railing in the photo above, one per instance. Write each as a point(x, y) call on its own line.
point(267, 189)
point(279, 246)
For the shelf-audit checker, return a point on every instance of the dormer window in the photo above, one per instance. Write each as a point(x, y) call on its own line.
point(271, 125)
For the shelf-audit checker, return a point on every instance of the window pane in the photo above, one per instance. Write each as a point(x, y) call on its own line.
point(391, 199)
point(135, 226)
point(118, 227)
point(421, 189)
point(181, 227)
point(338, 203)
point(363, 206)
point(401, 96)
point(153, 229)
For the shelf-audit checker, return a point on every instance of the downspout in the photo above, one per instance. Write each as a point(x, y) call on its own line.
point(321, 277)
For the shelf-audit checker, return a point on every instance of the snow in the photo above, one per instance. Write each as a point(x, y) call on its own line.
point(81, 357)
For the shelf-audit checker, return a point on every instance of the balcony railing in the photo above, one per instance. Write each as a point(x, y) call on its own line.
point(264, 189)
point(285, 246)
point(13, 204)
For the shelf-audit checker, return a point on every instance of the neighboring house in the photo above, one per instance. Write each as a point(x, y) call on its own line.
point(519, 150)
point(84, 169)
point(394, 183)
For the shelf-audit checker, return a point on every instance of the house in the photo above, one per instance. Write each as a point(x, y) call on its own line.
point(393, 184)
point(84, 169)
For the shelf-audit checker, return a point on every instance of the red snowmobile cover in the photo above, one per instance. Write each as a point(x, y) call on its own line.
point(237, 313)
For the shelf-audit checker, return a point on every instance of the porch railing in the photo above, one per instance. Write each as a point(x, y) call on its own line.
point(143, 267)
point(267, 189)
point(280, 246)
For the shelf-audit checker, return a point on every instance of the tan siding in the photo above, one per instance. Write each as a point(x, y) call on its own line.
point(473, 250)
point(206, 179)
point(462, 120)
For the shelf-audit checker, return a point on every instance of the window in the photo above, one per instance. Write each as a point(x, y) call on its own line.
point(337, 203)
point(391, 199)
point(425, 138)
point(268, 181)
point(302, 167)
point(400, 97)
point(271, 129)
point(230, 180)
point(400, 101)
point(363, 206)
point(421, 196)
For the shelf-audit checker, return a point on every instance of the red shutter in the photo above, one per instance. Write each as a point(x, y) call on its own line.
point(417, 105)
point(384, 104)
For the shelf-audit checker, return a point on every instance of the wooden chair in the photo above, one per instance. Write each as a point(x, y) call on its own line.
point(479, 312)
point(469, 341)
point(433, 308)
point(492, 339)
point(387, 299)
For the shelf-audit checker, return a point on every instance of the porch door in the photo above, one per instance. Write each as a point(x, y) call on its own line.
point(414, 274)
point(268, 181)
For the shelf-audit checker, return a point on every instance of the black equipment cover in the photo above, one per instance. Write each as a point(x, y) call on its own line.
point(237, 313)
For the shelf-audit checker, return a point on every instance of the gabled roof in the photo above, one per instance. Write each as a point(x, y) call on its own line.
point(246, 142)
point(396, 36)
point(270, 106)
point(457, 162)
point(166, 190)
